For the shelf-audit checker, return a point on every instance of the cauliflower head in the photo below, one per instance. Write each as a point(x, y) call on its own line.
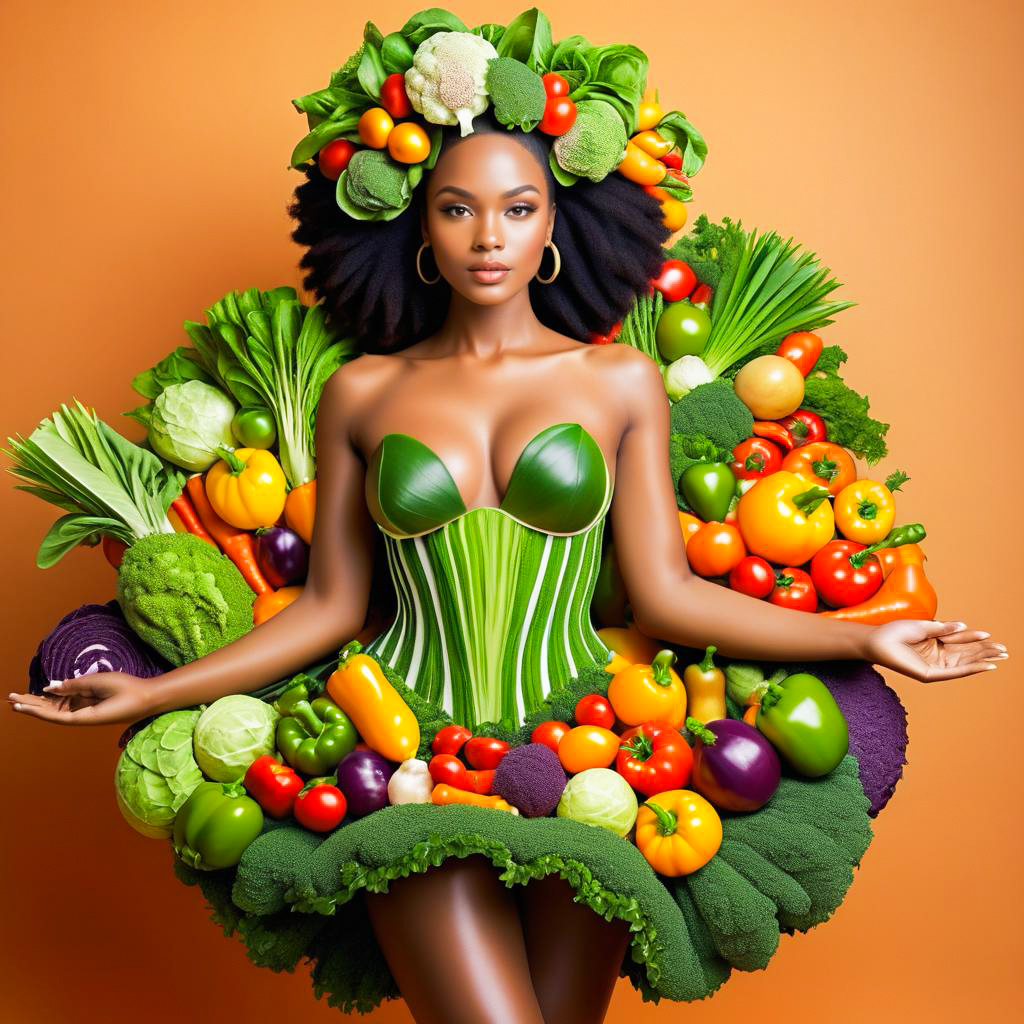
point(447, 80)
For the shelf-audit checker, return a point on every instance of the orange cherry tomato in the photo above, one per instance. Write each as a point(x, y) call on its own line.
point(408, 143)
point(716, 549)
point(641, 167)
point(587, 746)
point(689, 524)
point(824, 463)
point(374, 127)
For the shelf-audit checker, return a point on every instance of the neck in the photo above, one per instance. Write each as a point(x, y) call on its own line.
point(487, 332)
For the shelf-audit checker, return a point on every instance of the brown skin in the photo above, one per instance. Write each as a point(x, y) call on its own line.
point(490, 380)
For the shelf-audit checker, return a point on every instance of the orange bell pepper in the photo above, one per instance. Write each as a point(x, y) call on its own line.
point(785, 518)
point(629, 643)
point(822, 462)
point(678, 832)
point(267, 605)
point(649, 692)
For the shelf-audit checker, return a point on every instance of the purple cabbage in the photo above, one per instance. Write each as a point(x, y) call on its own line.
point(93, 638)
point(530, 778)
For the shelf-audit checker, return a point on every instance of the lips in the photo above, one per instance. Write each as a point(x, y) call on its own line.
point(489, 273)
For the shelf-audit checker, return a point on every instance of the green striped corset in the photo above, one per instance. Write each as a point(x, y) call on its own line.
point(493, 603)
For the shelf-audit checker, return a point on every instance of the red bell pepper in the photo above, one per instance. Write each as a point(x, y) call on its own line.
point(654, 758)
point(274, 786)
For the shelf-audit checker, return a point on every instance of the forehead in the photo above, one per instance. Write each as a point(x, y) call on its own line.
point(487, 163)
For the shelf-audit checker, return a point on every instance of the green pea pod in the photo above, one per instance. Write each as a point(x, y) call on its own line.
point(708, 488)
point(802, 720)
point(313, 738)
point(215, 824)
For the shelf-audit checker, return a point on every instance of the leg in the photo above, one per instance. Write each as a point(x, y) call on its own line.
point(574, 955)
point(453, 941)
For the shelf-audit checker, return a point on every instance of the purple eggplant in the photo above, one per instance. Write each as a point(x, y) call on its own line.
point(283, 556)
point(734, 766)
point(363, 777)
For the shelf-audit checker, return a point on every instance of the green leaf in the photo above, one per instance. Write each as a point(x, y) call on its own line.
point(372, 35)
point(396, 53)
point(426, 23)
point(371, 71)
point(71, 530)
point(690, 143)
point(436, 138)
point(528, 39)
point(895, 480)
point(491, 31)
point(562, 176)
point(323, 133)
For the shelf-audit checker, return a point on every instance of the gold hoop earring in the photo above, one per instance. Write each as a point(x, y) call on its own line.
point(558, 264)
point(419, 269)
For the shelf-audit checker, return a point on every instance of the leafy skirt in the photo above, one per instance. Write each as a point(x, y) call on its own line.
point(296, 896)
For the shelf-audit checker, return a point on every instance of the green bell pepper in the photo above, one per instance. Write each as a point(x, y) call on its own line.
point(215, 825)
point(802, 720)
point(312, 737)
point(708, 488)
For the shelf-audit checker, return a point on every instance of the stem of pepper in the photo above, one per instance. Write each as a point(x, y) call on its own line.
point(234, 462)
point(352, 647)
point(912, 533)
point(667, 819)
point(867, 510)
point(701, 731)
point(661, 664)
point(708, 663)
point(809, 500)
point(771, 696)
point(639, 748)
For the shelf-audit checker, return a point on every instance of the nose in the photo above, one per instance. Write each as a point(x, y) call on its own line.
point(488, 232)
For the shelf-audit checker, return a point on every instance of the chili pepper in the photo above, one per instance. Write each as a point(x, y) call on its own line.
point(449, 770)
point(215, 824)
point(784, 520)
point(802, 720)
point(451, 739)
point(246, 488)
point(905, 592)
point(267, 605)
point(653, 758)
point(753, 707)
point(708, 488)
point(805, 427)
point(705, 689)
point(678, 832)
point(274, 786)
point(754, 458)
point(236, 544)
point(313, 737)
point(444, 795)
point(772, 431)
point(187, 514)
point(644, 693)
point(485, 752)
point(300, 510)
point(701, 296)
point(673, 160)
point(865, 511)
point(822, 462)
point(321, 806)
point(381, 717)
point(908, 537)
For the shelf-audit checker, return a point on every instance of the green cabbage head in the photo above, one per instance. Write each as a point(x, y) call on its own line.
point(599, 796)
point(231, 733)
point(189, 421)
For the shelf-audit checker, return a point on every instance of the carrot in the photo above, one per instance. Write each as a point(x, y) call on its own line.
point(300, 509)
point(273, 601)
point(445, 795)
point(905, 592)
point(753, 707)
point(236, 544)
point(187, 515)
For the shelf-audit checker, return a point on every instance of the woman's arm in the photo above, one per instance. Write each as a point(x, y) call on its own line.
point(329, 612)
point(671, 603)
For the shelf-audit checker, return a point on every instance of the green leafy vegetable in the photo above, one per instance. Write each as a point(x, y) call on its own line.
point(424, 24)
point(108, 485)
point(712, 250)
point(675, 127)
point(375, 187)
point(231, 733)
point(189, 422)
point(527, 39)
point(182, 365)
point(895, 480)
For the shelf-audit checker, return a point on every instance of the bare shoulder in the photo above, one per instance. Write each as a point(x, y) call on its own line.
point(357, 383)
point(629, 371)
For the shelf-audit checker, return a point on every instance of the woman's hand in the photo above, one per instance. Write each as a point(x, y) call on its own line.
point(931, 651)
point(102, 698)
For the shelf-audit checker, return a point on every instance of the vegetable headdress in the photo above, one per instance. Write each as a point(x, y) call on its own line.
point(377, 125)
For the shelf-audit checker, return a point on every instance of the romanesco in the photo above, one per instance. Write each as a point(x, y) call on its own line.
point(446, 82)
point(516, 92)
point(595, 144)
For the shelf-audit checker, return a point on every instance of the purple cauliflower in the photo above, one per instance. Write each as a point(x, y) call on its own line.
point(530, 778)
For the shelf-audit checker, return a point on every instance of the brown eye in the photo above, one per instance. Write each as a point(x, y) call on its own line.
point(456, 210)
point(521, 210)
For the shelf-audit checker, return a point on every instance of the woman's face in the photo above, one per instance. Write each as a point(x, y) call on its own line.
point(488, 216)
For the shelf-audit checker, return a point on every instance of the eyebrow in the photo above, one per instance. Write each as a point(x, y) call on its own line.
point(505, 195)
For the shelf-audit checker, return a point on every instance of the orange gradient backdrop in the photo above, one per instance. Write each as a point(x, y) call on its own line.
point(144, 174)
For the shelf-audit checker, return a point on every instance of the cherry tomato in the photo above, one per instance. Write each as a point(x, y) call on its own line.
point(555, 84)
point(794, 589)
point(824, 463)
point(375, 127)
point(805, 427)
point(334, 158)
point(254, 428)
point(408, 143)
point(448, 770)
point(549, 734)
point(559, 115)
point(587, 746)
point(715, 549)
point(801, 349)
point(606, 339)
point(674, 161)
point(752, 576)
point(320, 808)
point(755, 458)
point(595, 710)
point(485, 752)
point(689, 525)
point(838, 582)
point(451, 739)
point(393, 97)
point(676, 280)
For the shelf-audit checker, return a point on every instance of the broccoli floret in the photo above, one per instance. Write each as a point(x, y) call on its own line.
point(713, 411)
point(595, 144)
point(517, 93)
point(711, 249)
point(183, 597)
point(375, 182)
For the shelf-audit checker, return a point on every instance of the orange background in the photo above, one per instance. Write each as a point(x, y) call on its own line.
point(145, 174)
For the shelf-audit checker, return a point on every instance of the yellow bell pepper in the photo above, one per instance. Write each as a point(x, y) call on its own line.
point(646, 693)
point(629, 643)
point(865, 511)
point(784, 519)
point(678, 832)
point(247, 488)
point(380, 715)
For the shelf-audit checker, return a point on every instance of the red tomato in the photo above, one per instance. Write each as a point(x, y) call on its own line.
point(755, 458)
point(805, 427)
point(559, 115)
point(451, 739)
point(794, 589)
point(801, 349)
point(320, 808)
point(549, 734)
point(448, 770)
point(393, 97)
point(715, 549)
point(485, 752)
point(334, 158)
point(595, 710)
point(482, 781)
point(606, 339)
point(753, 576)
point(839, 583)
point(673, 160)
point(555, 84)
point(675, 281)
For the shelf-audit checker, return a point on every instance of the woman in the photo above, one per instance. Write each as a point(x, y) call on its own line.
point(484, 389)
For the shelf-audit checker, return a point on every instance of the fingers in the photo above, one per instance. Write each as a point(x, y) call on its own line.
point(937, 673)
point(58, 712)
point(82, 686)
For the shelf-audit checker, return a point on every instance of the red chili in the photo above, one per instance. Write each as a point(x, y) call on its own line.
point(675, 281)
point(451, 739)
point(774, 432)
point(485, 752)
point(805, 427)
point(274, 786)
